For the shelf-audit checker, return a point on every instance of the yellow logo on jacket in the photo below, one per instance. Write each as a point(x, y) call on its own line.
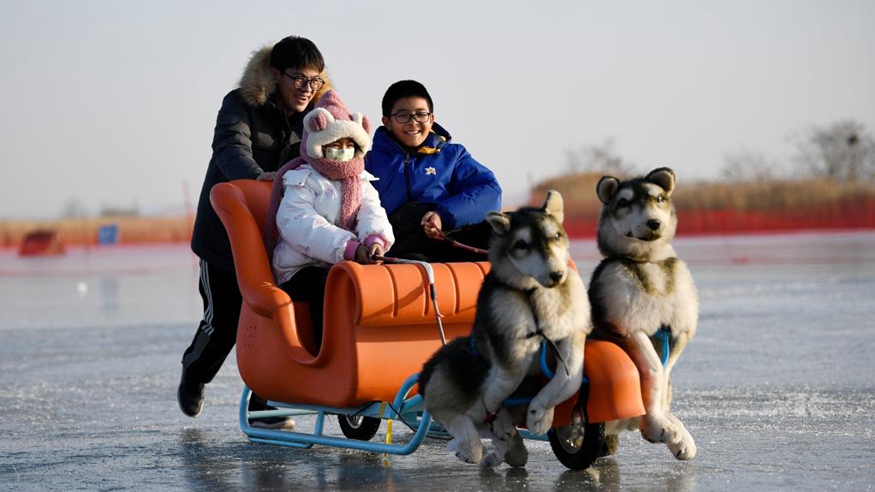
point(430, 170)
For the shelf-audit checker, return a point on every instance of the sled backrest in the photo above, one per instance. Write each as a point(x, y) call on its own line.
point(242, 207)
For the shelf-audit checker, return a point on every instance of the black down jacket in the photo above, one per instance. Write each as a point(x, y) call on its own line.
point(252, 136)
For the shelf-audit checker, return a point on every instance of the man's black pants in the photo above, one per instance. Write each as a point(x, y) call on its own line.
point(217, 331)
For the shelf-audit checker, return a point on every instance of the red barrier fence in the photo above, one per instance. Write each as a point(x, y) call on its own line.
point(856, 214)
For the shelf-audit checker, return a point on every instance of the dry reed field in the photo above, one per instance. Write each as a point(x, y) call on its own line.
point(706, 207)
point(714, 207)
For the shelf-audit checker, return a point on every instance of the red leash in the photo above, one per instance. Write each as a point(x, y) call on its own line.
point(441, 236)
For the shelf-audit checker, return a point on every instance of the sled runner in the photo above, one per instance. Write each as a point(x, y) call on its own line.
point(379, 328)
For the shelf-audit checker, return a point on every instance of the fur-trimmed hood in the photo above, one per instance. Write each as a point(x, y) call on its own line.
point(257, 84)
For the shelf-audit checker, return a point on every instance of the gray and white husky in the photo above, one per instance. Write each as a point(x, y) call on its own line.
point(640, 288)
point(529, 297)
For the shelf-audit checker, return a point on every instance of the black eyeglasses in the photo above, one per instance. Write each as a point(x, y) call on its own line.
point(301, 80)
point(420, 117)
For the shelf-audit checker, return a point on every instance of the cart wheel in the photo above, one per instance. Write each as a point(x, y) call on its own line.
point(359, 428)
point(574, 450)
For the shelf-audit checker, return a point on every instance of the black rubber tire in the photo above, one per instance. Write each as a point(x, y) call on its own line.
point(358, 428)
point(582, 454)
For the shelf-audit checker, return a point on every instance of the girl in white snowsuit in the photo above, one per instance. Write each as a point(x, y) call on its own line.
point(324, 206)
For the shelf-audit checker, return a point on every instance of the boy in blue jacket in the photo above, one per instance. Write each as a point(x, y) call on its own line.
point(428, 184)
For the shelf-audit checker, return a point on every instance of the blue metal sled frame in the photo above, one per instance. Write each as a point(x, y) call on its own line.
point(408, 410)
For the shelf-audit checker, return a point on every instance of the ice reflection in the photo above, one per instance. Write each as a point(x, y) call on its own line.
point(110, 296)
point(776, 388)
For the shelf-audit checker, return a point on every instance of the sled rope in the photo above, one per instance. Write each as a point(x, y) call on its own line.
point(429, 273)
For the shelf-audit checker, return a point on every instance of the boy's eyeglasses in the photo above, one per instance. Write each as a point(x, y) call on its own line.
point(420, 117)
point(315, 83)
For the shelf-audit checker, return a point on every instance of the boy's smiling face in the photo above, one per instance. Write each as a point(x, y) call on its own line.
point(413, 133)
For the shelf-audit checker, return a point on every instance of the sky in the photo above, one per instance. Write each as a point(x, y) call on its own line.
point(112, 104)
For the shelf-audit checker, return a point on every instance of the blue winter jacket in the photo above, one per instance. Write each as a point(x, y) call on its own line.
point(440, 172)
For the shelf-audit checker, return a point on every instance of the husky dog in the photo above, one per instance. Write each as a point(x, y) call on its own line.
point(529, 297)
point(640, 288)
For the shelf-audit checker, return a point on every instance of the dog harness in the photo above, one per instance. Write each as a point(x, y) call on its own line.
point(545, 369)
point(538, 332)
point(542, 359)
point(663, 335)
point(525, 400)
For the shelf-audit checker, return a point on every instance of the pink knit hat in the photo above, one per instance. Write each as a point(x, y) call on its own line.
point(328, 122)
point(331, 121)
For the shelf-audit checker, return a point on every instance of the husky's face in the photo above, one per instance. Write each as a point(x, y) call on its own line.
point(530, 244)
point(640, 212)
point(636, 211)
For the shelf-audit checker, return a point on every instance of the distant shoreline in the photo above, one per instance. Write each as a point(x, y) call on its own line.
point(84, 232)
point(176, 230)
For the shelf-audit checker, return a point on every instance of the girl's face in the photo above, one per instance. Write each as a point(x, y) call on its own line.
point(417, 121)
point(340, 150)
point(343, 143)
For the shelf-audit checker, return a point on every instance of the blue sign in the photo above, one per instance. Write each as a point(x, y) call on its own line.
point(107, 234)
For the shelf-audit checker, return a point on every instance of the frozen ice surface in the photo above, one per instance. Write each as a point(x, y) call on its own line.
point(776, 388)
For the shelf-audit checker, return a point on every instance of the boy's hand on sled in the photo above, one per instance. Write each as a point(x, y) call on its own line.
point(431, 224)
point(268, 176)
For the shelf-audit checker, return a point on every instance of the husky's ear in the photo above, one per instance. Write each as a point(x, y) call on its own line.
point(664, 178)
point(500, 222)
point(606, 188)
point(554, 205)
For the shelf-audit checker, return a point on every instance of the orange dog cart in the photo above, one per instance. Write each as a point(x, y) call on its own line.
point(379, 328)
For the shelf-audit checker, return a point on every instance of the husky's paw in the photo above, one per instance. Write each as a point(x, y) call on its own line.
point(684, 448)
point(496, 454)
point(503, 430)
point(470, 453)
point(517, 455)
point(539, 420)
point(492, 460)
point(612, 443)
point(657, 430)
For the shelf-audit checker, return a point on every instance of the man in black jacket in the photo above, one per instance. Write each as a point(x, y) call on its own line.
point(258, 129)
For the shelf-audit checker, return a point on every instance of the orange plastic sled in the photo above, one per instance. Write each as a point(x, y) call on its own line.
point(379, 328)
